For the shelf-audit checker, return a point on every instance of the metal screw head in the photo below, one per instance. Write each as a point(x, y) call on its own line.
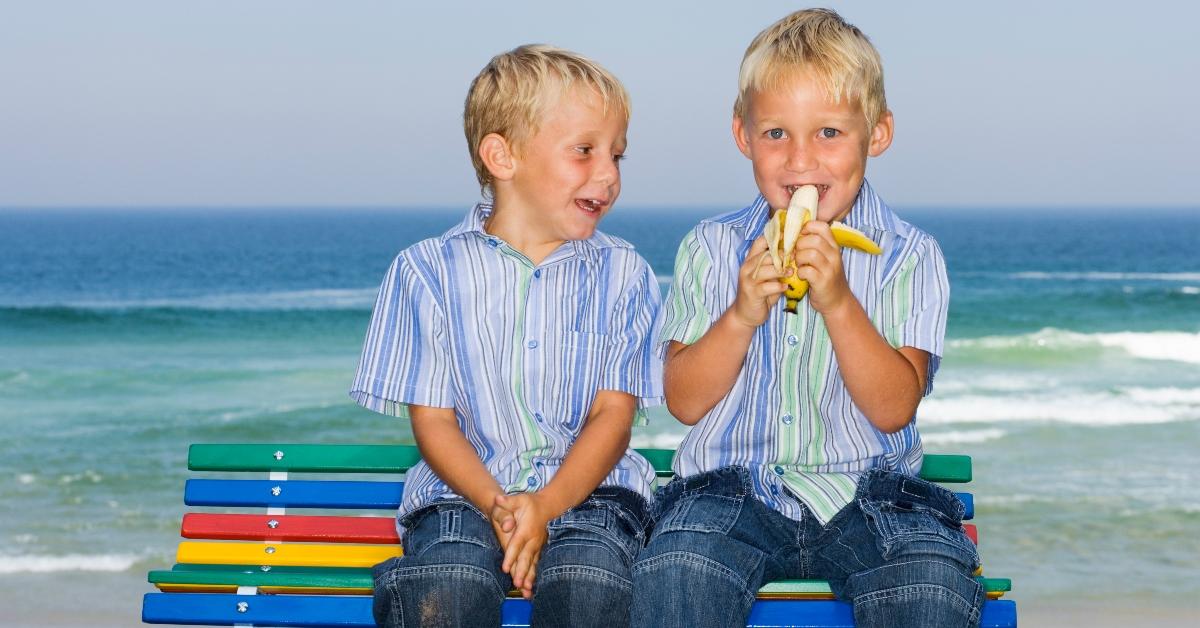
point(272, 524)
point(265, 568)
point(276, 490)
point(279, 455)
point(243, 607)
point(270, 550)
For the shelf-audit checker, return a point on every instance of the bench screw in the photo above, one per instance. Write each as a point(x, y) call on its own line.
point(272, 524)
point(243, 607)
point(265, 568)
point(270, 550)
point(276, 490)
point(278, 455)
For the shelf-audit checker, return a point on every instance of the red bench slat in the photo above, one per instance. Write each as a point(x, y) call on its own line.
point(329, 529)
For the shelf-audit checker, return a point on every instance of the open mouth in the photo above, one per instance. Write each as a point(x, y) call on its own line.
point(590, 205)
point(821, 189)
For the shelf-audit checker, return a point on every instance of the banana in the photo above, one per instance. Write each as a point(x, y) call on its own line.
point(781, 235)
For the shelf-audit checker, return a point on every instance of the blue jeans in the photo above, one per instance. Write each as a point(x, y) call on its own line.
point(450, 572)
point(898, 553)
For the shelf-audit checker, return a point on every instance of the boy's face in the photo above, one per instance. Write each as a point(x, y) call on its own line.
point(796, 135)
point(566, 175)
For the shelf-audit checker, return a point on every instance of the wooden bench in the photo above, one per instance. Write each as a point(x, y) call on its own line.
point(273, 568)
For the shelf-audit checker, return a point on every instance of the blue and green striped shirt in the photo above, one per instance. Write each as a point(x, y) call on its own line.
point(519, 350)
point(789, 418)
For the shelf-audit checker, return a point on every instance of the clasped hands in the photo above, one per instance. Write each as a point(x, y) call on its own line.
point(520, 521)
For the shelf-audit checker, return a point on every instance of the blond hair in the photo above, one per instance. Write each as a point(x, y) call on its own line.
point(819, 41)
point(510, 95)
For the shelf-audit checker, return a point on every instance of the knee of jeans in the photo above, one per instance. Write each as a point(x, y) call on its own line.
point(581, 595)
point(929, 591)
point(426, 594)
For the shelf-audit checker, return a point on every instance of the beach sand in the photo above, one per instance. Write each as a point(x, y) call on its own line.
point(113, 600)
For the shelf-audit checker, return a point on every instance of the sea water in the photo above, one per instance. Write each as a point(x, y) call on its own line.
point(1071, 375)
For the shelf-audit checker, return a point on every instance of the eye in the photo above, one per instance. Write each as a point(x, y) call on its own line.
point(775, 134)
point(830, 133)
point(618, 158)
point(583, 150)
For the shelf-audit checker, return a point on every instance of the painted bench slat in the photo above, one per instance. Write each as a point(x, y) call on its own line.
point(293, 493)
point(334, 611)
point(399, 458)
point(298, 555)
point(329, 529)
point(358, 581)
point(314, 528)
point(326, 494)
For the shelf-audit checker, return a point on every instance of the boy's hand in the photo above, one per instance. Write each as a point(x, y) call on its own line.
point(503, 523)
point(759, 287)
point(528, 517)
point(819, 261)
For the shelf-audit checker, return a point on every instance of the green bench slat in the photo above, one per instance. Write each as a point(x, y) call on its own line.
point(349, 578)
point(399, 458)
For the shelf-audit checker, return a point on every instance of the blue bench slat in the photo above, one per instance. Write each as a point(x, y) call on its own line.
point(327, 494)
point(293, 493)
point(318, 611)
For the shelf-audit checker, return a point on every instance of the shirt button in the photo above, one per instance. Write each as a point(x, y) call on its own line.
point(537, 273)
point(774, 490)
point(778, 470)
point(532, 344)
point(532, 481)
point(538, 416)
point(792, 340)
point(493, 242)
point(787, 419)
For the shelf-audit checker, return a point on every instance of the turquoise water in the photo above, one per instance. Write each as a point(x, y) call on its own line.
point(1072, 375)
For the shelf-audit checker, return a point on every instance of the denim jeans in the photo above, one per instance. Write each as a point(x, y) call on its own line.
point(450, 572)
point(897, 553)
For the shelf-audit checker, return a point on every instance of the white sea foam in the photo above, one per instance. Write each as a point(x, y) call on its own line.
point(1107, 276)
point(1075, 407)
point(1190, 290)
point(1176, 346)
point(324, 299)
point(966, 436)
point(43, 563)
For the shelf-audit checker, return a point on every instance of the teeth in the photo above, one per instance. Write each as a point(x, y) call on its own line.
point(781, 235)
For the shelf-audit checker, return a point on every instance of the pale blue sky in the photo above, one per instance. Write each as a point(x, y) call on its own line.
point(288, 102)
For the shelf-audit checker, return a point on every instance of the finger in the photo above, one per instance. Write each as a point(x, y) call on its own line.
point(521, 570)
point(511, 553)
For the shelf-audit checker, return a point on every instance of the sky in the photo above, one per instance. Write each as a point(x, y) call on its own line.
point(303, 103)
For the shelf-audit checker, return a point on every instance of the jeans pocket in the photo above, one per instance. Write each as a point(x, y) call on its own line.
point(903, 527)
point(702, 512)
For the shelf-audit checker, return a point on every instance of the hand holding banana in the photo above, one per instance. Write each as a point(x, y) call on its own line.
point(782, 231)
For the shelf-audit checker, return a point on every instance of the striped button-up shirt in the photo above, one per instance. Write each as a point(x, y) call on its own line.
point(519, 350)
point(789, 418)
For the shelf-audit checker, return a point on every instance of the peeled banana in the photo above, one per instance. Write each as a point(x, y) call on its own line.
point(782, 233)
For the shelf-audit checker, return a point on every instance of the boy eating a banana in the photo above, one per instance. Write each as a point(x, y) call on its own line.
point(800, 365)
point(519, 345)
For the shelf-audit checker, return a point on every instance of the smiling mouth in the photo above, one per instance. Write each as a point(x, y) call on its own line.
point(590, 205)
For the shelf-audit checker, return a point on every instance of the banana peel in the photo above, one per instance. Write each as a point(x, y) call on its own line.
point(781, 233)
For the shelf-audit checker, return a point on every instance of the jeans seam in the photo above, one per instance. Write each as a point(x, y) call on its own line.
point(901, 590)
point(698, 560)
point(585, 570)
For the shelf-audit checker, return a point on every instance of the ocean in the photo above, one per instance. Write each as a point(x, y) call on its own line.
point(1071, 375)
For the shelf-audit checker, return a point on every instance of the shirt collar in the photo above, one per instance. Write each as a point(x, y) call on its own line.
point(473, 224)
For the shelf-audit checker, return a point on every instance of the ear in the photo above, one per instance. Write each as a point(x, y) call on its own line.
point(497, 156)
point(740, 136)
point(881, 135)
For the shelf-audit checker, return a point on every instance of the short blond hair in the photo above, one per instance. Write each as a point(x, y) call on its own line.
point(839, 56)
point(510, 95)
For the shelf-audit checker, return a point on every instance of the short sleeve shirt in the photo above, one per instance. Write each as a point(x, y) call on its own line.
point(518, 350)
point(789, 418)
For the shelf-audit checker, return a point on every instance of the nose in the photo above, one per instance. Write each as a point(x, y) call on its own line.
point(800, 157)
point(607, 172)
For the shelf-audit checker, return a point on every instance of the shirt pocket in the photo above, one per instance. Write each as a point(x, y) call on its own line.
point(576, 362)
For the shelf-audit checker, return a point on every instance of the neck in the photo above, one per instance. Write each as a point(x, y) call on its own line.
point(521, 233)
